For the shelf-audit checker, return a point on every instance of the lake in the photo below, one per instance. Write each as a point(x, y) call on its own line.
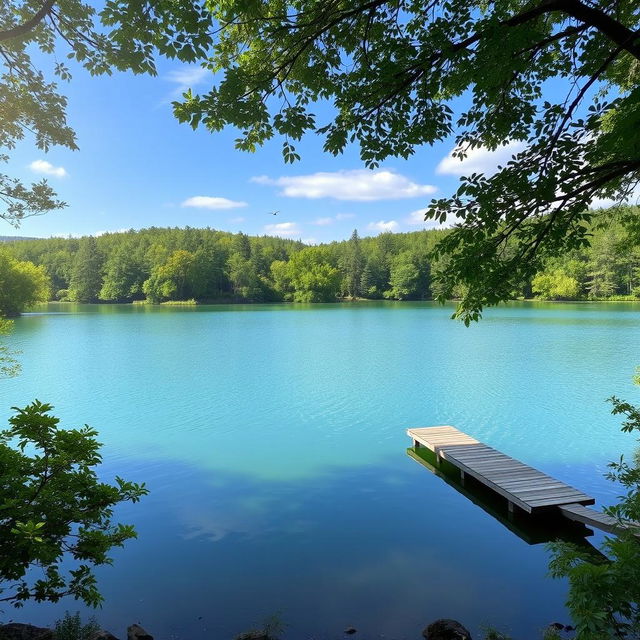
point(272, 438)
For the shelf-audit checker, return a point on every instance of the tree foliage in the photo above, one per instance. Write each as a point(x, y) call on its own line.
point(209, 265)
point(403, 73)
point(85, 273)
point(22, 283)
point(312, 278)
point(555, 285)
point(604, 596)
point(54, 509)
point(204, 264)
point(122, 36)
point(352, 266)
point(561, 76)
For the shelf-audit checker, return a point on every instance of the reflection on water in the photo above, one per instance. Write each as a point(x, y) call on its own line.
point(273, 440)
point(386, 549)
point(543, 527)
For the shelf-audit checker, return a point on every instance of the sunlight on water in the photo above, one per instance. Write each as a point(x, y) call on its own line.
point(286, 394)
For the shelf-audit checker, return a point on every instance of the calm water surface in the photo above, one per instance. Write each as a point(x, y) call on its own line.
point(273, 441)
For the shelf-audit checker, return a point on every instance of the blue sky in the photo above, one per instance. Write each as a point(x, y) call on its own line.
point(138, 167)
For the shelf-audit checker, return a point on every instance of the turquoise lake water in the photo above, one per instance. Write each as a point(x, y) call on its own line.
point(272, 438)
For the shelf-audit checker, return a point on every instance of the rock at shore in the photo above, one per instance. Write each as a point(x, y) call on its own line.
point(136, 632)
point(446, 629)
point(19, 631)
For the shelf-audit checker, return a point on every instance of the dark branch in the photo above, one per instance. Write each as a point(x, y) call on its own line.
point(617, 32)
point(25, 27)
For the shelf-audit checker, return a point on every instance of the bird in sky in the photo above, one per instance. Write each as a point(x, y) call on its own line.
point(274, 213)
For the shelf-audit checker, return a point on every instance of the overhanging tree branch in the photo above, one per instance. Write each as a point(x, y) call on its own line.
point(25, 27)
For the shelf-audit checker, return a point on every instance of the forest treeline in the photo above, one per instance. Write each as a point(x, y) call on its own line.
point(173, 264)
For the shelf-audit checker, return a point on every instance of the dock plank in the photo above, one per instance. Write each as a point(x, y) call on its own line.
point(593, 518)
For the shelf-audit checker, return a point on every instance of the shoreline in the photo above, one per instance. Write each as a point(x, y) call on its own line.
point(338, 301)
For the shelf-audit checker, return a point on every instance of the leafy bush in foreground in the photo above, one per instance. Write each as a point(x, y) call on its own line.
point(53, 508)
point(604, 596)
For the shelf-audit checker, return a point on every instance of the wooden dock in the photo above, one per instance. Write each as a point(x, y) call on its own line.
point(542, 528)
point(521, 485)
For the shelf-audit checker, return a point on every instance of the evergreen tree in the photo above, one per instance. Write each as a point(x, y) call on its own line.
point(375, 276)
point(353, 265)
point(86, 278)
point(123, 275)
point(242, 245)
point(405, 278)
point(603, 278)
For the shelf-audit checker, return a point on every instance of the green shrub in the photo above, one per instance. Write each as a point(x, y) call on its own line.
point(72, 628)
point(54, 509)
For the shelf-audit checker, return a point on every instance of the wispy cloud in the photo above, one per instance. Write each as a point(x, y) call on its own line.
point(383, 225)
point(286, 229)
point(186, 77)
point(46, 168)
point(211, 202)
point(479, 160)
point(359, 185)
point(323, 222)
point(416, 218)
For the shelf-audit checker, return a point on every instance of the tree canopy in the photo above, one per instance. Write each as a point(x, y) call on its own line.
point(31, 103)
point(167, 265)
point(561, 76)
point(21, 284)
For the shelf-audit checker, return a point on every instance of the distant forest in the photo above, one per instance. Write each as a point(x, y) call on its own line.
point(164, 265)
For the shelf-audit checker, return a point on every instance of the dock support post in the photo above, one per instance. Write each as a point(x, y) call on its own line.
point(416, 444)
point(463, 477)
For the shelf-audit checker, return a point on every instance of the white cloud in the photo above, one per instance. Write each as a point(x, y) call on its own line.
point(417, 218)
point(283, 229)
point(359, 185)
point(383, 225)
point(323, 222)
point(186, 77)
point(42, 166)
point(479, 160)
point(210, 202)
